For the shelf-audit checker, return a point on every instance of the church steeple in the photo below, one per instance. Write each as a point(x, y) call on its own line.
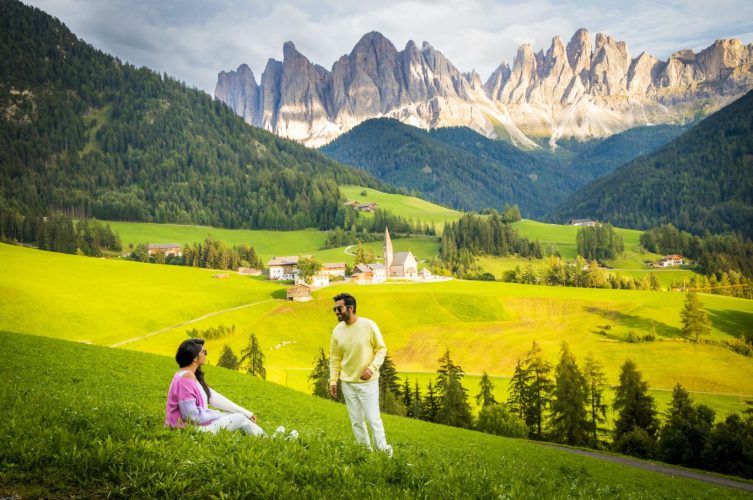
point(387, 252)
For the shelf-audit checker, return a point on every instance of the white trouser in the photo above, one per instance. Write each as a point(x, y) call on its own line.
point(233, 422)
point(362, 401)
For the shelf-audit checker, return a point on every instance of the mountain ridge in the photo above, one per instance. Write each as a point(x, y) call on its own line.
point(581, 89)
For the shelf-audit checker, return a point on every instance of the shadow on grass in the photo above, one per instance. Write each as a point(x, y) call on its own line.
point(739, 324)
point(636, 322)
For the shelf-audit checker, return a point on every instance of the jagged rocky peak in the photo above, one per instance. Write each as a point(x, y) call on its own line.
point(589, 87)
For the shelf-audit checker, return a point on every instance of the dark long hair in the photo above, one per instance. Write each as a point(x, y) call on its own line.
point(187, 352)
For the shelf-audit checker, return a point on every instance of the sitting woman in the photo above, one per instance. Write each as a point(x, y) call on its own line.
point(189, 395)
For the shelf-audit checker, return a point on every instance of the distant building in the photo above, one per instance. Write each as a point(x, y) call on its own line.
point(370, 273)
point(334, 268)
point(362, 207)
point(398, 265)
point(319, 280)
point(582, 222)
point(299, 293)
point(671, 260)
point(283, 268)
point(165, 248)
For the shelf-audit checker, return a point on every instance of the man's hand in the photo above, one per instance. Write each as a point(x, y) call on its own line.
point(252, 418)
point(333, 390)
point(367, 373)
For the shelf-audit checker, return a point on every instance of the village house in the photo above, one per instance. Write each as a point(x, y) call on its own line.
point(582, 222)
point(371, 273)
point(165, 248)
point(334, 268)
point(283, 268)
point(671, 260)
point(362, 207)
point(319, 280)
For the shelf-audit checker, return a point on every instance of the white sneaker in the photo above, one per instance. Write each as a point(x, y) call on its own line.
point(387, 450)
point(293, 435)
point(280, 431)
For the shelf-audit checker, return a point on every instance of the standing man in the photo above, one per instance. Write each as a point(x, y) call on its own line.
point(356, 352)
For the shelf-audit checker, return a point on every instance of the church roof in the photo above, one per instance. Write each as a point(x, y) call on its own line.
point(401, 257)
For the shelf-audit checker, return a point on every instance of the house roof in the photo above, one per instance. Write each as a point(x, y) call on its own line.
point(283, 261)
point(333, 265)
point(401, 257)
point(580, 221)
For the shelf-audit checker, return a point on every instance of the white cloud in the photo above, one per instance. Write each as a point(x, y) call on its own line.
point(193, 40)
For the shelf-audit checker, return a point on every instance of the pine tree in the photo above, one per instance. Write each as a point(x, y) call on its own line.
point(568, 418)
point(319, 376)
point(539, 390)
point(485, 397)
point(228, 359)
point(695, 321)
point(408, 398)
point(636, 425)
point(453, 405)
point(389, 388)
point(518, 394)
point(430, 406)
point(418, 405)
point(685, 435)
point(596, 380)
point(254, 357)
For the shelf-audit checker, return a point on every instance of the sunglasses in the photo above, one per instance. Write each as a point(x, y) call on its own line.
point(338, 309)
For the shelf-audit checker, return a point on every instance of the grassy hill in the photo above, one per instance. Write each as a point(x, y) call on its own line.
point(487, 326)
point(101, 434)
point(406, 206)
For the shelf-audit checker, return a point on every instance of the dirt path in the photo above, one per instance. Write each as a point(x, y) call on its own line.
point(661, 468)
point(194, 320)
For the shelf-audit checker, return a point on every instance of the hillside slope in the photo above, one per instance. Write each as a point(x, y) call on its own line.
point(703, 180)
point(82, 132)
point(101, 434)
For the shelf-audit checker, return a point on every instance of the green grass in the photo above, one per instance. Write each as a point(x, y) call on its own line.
point(486, 326)
point(87, 421)
point(405, 206)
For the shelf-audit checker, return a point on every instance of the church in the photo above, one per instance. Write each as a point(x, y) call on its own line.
point(400, 264)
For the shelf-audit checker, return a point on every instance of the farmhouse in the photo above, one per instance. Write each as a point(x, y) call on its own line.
point(671, 260)
point(334, 268)
point(283, 268)
point(370, 273)
point(582, 222)
point(319, 280)
point(362, 207)
point(165, 248)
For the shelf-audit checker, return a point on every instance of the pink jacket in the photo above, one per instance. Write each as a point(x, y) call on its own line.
point(185, 404)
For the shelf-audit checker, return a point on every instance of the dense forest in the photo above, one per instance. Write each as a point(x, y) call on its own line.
point(459, 167)
point(413, 159)
point(701, 181)
point(85, 134)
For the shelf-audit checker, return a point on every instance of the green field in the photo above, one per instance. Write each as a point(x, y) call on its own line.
point(486, 326)
point(87, 422)
point(405, 206)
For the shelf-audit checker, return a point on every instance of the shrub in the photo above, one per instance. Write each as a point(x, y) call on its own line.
point(495, 419)
point(637, 443)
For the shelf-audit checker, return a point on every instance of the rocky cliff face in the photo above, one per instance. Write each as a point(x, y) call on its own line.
point(583, 89)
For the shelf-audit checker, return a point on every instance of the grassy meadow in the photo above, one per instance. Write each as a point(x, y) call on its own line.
point(406, 206)
point(101, 434)
point(486, 326)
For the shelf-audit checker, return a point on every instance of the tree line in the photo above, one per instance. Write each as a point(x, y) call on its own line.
point(473, 235)
point(57, 232)
point(210, 254)
point(566, 403)
point(599, 242)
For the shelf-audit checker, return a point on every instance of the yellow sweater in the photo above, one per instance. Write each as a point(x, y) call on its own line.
point(354, 348)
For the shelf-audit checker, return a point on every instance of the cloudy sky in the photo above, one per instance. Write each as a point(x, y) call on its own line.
point(193, 40)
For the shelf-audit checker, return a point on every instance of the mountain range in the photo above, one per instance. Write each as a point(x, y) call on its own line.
point(583, 89)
